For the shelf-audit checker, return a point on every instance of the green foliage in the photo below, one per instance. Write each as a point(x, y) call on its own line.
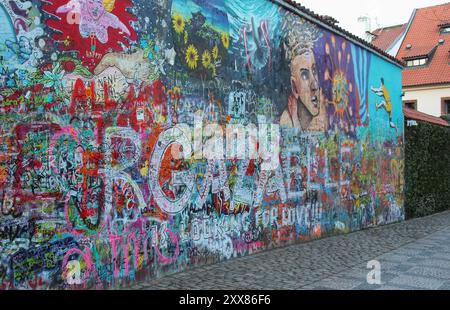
point(446, 118)
point(427, 171)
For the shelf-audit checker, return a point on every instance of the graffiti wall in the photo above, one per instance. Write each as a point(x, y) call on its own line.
point(144, 137)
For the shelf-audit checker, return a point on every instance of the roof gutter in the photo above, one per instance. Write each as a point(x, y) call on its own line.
point(428, 86)
point(339, 31)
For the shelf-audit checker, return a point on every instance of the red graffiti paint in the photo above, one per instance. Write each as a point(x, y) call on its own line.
point(83, 99)
point(28, 161)
point(109, 103)
point(158, 92)
point(69, 24)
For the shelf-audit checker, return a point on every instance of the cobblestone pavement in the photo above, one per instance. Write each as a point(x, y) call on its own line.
point(413, 255)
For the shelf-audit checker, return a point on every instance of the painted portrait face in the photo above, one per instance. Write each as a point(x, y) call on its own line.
point(305, 82)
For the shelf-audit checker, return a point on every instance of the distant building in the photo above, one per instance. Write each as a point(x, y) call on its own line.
point(389, 38)
point(424, 45)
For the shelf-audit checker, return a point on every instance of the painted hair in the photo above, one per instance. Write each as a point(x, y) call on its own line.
point(300, 36)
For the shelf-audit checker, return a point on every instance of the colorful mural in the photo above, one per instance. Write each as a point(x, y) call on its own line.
point(116, 163)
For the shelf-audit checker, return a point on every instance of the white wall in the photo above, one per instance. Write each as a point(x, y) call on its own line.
point(428, 98)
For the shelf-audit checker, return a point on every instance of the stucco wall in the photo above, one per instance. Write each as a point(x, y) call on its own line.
point(428, 98)
point(96, 98)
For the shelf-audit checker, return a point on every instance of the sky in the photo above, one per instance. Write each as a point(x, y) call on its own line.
point(382, 12)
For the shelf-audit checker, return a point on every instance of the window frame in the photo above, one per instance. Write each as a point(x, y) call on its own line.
point(445, 106)
point(417, 62)
point(407, 102)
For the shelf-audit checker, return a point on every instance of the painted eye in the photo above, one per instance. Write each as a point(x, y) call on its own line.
point(305, 75)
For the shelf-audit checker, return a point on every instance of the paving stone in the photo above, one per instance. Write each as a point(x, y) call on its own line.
point(391, 288)
point(441, 256)
point(441, 263)
point(413, 255)
point(338, 283)
point(397, 268)
point(417, 282)
point(367, 287)
point(431, 272)
point(395, 258)
point(445, 286)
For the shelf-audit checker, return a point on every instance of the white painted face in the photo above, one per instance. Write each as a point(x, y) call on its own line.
point(305, 82)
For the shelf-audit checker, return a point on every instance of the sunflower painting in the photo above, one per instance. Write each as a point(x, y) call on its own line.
point(192, 57)
point(206, 59)
point(201, 36)
point(225, 40)
point(178, 23)
point(215, 52)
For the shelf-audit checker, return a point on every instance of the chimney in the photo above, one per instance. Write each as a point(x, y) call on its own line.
point(366, 27)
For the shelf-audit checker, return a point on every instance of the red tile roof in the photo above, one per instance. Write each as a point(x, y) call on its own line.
point(420, 51)
point(386, 37)
point(419, 116)
point(424, 35)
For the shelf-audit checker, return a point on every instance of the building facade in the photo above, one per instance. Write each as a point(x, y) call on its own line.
point(424, 45)
point(110, 111)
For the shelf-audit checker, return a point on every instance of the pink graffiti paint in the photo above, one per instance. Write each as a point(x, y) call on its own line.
point(69, 131)
point(90, 266)
point(265, 32)
point(169, 260)
point(244, 36)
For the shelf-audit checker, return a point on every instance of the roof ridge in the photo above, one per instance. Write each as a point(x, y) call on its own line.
point(433, 6)
point(424, 117)
point(389, 27)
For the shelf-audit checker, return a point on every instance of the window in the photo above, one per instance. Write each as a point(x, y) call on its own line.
point(412, 104)
point(417, 62)
point(445, 106)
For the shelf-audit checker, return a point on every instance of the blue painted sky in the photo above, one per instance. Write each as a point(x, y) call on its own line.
point(6, 33)
point(213, 10)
